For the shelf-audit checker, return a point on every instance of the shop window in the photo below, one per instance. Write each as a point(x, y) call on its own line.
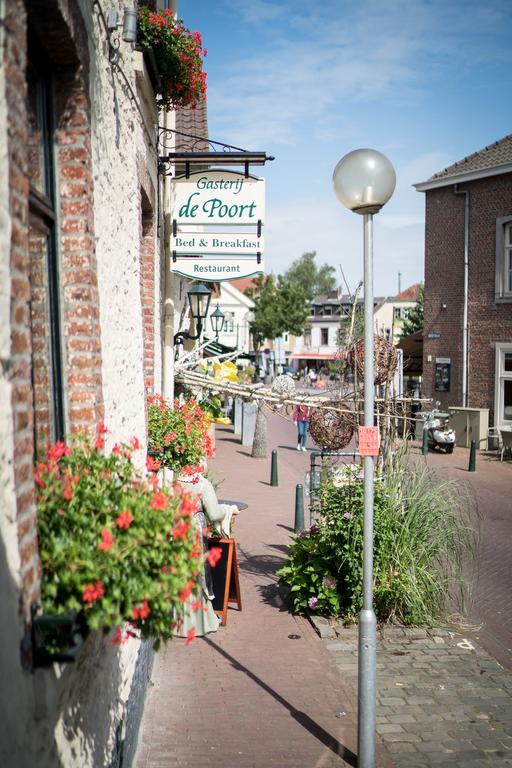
point(503, 290)
point(48, 390)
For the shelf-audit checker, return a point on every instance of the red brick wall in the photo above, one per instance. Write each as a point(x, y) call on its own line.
point(444, 262)
point(148, 264)
point(62, 29)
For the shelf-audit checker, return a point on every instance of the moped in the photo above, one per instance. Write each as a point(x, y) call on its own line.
point(439, 433)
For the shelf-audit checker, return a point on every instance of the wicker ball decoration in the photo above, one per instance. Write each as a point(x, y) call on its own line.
point(283, 385)
point(385, 358)
point(332, 429)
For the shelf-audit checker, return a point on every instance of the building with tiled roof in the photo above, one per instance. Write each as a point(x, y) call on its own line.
point(493, 160)
point(467, 350)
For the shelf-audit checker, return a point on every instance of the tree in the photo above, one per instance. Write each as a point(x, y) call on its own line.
point(314, 280)
point(279, 307)
point(414, 320)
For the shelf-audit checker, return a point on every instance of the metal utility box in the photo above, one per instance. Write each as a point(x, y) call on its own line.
point(470, 424)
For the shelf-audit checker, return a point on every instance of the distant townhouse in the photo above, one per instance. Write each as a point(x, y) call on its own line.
point(391, 313)
point(467, 352)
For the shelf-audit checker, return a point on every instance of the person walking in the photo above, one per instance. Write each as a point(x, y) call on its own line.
point(301, 419)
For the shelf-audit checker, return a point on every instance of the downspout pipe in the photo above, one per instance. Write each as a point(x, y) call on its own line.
point(465, 324)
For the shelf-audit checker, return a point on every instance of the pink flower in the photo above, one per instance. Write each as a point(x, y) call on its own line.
point(153, 465)
point(191, 636)
point(214, 555)
point(143, 612)
point(135, 444)
point(313, 602)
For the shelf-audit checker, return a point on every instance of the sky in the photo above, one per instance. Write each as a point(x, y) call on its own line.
point(426, 82)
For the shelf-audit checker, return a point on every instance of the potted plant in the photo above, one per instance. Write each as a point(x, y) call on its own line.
point(177, 435)
point(177, 55)
point(115, 548)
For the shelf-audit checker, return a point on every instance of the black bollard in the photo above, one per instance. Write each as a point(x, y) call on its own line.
point(472, 457)
point(273, 470)
point(424, 445)
point(299, 508)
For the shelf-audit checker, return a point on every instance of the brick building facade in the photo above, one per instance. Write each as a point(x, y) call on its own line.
point(82, 280)
point(467, 351)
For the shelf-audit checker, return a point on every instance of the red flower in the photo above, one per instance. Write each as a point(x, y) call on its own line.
point(181, 530)
point(92, 592)
point(55, 452)
point(68, 490)
point(186, 591)
point(38, 481)
point(106, 540)
point(170, 438)
point(118, 638)
point(135, 444)
point(159, 500)
point(191, 635)
point(214, 555)
point(117, 449)
point(153, 465)
point(188, 505)
point(101, 428)
point(124, 520)
point(100, 443)
point(141, 613)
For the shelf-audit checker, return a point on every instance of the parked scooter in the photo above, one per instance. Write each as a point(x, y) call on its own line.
point(439, 433)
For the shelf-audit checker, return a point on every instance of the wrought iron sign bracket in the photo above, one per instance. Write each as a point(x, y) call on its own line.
point(203, 153)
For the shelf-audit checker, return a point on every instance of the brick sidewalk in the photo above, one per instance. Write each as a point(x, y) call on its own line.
point(262, 691)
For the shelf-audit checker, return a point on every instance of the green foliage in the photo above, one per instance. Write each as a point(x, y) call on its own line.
point(177, 435)
point(113, 546)
point(422, 537)
point(414, 320)
point(313, 280)
point(279, 306)
point(178, 57)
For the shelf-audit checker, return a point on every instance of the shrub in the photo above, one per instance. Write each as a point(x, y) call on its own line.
point(422, 540)
point(113, 546)
point(177, 436)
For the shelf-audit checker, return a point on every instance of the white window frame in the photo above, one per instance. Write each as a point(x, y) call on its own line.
point(501, 375)
point(503, 286)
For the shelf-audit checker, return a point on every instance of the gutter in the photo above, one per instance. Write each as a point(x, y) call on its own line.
point(465, 324)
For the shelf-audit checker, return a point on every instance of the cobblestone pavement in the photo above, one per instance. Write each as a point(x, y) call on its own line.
point(441, 701)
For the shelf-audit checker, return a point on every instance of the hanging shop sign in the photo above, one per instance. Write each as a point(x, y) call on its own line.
point(218, 218)
point(225, 197)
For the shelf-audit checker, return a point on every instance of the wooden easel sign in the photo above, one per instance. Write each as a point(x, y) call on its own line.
point(226, 583)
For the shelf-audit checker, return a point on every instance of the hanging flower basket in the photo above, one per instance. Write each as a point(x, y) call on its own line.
point(178, 436)
point(117, 552)
point(177, 54)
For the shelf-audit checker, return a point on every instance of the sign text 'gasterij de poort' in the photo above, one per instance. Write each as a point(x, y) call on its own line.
point(217, 227)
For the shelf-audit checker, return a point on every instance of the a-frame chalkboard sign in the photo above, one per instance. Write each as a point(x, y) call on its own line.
point(226, 583)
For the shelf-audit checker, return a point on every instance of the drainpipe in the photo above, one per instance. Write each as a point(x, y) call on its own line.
point(465, 324)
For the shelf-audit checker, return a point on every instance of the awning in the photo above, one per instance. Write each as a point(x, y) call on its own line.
point(214, 348)
point(315, 356)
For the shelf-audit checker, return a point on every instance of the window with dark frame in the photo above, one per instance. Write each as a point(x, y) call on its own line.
point(503, 289)
point(324, 336)
point(47, 372)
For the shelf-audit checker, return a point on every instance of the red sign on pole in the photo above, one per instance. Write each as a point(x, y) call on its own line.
point(369, 441)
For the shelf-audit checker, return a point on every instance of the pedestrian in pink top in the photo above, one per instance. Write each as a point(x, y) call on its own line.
point(301, 419)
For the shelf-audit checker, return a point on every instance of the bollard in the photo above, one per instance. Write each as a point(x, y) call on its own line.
point(299, 508)
point(424, 446)
point(273, 470)
point(472, 457)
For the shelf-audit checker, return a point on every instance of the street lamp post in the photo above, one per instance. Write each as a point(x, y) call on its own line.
point(364, 180)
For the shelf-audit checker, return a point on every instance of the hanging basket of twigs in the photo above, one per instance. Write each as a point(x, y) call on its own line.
point(332, 427)
point(283, 386)
point(385, 359)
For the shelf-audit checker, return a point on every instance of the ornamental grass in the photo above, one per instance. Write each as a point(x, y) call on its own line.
point(425, 538)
